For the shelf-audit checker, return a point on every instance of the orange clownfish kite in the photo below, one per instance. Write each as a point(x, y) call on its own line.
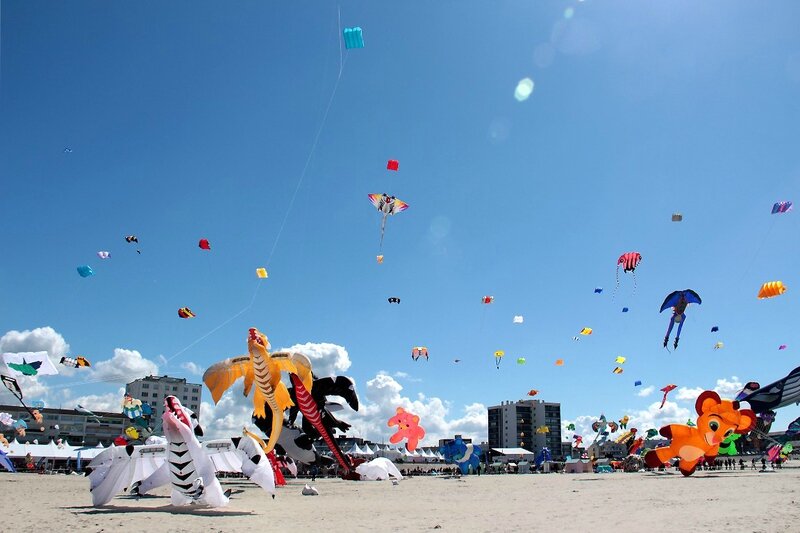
point(717, 420)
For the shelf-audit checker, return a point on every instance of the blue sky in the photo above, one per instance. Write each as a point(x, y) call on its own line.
point(189, 120)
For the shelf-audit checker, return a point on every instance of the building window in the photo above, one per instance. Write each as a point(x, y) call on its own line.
point(174, 389)
point(194, 398)
point(144, 394)
point(195, 390)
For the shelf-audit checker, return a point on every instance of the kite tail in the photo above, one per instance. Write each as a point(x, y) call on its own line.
point(383, 229)
point(614, 295)
point(634, 282)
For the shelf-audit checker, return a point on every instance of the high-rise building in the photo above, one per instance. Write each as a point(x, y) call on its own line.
point(153, 390)
point(515, 424)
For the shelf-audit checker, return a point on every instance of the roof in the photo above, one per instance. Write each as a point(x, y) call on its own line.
point(512, 451)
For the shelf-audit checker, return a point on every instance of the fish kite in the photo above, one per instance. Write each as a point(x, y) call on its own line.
point(419, 351)
point(678, 300)
point(85, 271)
point(262, 370)
point(78, 362)
point(666, 390)
point(185, 312)
point(388, 205)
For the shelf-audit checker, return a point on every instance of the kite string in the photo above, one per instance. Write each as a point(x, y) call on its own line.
point(758, 251)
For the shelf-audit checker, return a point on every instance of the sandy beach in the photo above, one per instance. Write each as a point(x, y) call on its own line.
point(707, 501)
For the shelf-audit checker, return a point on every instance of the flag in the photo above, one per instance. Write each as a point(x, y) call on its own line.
point(28, 364)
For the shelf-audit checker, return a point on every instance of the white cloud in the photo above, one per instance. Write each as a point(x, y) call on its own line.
point(228, 416)
point(109, 403)
point(125, 366)
point(192, 368)
point(383, 397)
point(326, 359)
point(647, 391)
point(406, 376)
point(726, 388)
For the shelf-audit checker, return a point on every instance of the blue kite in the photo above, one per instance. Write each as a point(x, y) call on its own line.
point(85, 271)
point(353, 38)
point(678, 300)
point(464, 455)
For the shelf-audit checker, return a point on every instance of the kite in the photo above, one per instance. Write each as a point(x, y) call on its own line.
point(617, 370)
point(37, 416)
point(518, 319)
point(559, 362)
point(781, 393)
point(487, 299)
point(637, 383)
point(407, 428)
point(543, 430)
point(533, 392)
point(262, 370)
point(393, 164)
point(666, 390)
point(690, 423)
point(623, 422)
point(750, 386)
point(678, 300)
point(782, 347)
point(714, 329)
point(388, 205)
point(353, 38)
point(6, 419)
point(85, 271)
point(67, 150)
point(456, 360)
point(394, 300)
point(781, 207)
point(377, 469)
point(419, 351)
point(82, 410)
point(586, 331)
point(578, 440)
point(465, 456)
point(185, 312)
point(261, 273)
point(719, 345)
point(520, 360)
point(132, 238)
point(379, 259)
point(598, 290)
point(629, 262)
point(204, 244)
point(651, 433)
point(498, 356)
point(132, 407)
point(570, 427)
point(612, 426)
point(179, 460)
point(717, 420)
point(103, 254)
point(20, 426)
point(619, 360)
point(677, 217)
point(771, 289)
point(29, 364)
point(78, 362)
point(132, 433)
point(624, 309)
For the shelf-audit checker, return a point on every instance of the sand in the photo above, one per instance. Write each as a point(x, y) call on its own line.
point(708, 501)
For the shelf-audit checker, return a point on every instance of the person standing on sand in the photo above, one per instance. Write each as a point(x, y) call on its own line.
point(763, 463)
point(754, 463)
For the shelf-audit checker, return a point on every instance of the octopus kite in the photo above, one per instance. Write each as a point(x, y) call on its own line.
point(407, 428)
point(678, 300)
point(629, 262)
